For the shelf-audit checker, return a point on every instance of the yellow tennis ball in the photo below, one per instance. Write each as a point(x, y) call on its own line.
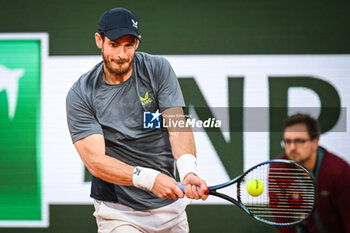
point(255, 187)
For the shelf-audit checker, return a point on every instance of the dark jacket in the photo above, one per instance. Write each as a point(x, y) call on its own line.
point(333, 204)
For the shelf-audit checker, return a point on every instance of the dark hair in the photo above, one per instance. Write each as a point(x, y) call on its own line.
point(312, 125)
point(102, 36)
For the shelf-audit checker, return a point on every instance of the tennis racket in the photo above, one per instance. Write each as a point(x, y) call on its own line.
point(289, 194)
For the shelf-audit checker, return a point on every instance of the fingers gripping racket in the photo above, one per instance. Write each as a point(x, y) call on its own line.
point(288, 196)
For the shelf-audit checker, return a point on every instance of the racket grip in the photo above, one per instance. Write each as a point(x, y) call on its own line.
point(182, 187)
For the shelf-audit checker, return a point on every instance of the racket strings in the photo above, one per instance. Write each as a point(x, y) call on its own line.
point(288, 196)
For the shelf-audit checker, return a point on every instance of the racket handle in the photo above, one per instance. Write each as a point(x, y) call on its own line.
point(182, 187)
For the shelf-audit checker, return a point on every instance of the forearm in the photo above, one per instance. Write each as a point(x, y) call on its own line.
point(92, 152)
point(182, 143)
point(111, 170)
point(180, 137)
point(117, 172)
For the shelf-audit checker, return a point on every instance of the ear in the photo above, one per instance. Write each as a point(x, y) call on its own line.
point(99, 41)
point(137, 42)
point(315, 143)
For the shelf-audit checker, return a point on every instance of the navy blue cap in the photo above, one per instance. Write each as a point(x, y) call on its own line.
point(118, 22)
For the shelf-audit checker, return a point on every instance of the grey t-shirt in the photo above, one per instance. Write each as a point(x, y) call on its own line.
point(116, 112)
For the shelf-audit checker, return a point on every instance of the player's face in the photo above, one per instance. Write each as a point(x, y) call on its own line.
point(119, 54)
point(297, 143)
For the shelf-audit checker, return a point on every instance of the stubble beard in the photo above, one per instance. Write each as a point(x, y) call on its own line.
point(116, 71)
point(297, 157)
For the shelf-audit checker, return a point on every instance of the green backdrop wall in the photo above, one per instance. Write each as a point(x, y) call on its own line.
point(191, 27)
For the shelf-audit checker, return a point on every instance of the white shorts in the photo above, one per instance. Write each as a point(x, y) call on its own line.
point(113, 216)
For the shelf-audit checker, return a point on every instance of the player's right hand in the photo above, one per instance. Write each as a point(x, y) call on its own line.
point(166, 187)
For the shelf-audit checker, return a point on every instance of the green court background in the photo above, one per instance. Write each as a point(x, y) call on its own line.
point(185, 27)
point(20, 187)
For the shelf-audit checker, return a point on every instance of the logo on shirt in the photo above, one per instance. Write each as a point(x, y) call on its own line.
point(324, 193)
point(145, 100)
point(151, 120)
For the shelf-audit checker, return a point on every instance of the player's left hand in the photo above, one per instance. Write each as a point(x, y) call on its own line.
point(191, 181)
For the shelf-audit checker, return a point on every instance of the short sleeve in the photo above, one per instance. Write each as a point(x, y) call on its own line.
point(169, 91)
point(80, 118)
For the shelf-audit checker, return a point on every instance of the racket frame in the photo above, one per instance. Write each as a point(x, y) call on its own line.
point(238, 179)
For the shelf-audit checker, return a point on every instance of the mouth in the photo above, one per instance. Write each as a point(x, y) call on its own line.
point(120, 62)
point(293, 155)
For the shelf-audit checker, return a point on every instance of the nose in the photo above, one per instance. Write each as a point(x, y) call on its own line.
point(121, 53)
point(292, 146)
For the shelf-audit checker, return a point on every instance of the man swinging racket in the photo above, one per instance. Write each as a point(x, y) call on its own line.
point(133, 183)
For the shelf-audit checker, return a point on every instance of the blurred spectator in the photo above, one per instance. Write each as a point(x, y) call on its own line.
point(331, 215)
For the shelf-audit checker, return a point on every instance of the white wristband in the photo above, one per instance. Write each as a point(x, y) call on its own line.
point(185, 164)
point(144, 177)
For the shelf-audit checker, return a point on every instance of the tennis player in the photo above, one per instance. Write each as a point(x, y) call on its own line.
point(301, 137)
point(133, 183)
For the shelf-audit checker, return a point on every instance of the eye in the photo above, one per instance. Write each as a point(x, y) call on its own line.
point(287, 142)
point(114, 45)
point(300, 141)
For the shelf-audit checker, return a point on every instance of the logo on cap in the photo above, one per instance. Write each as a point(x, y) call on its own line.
point(134, 24)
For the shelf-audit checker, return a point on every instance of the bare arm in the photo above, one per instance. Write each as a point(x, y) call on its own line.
point(181, 138)
point(182, 142)
point(92, 151)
